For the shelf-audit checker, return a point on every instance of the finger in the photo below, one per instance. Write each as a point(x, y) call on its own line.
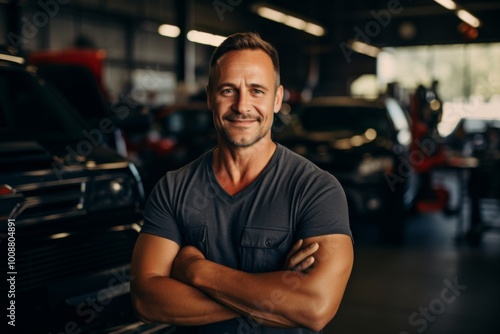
point(302, 254)
point(292, 251)
point(296, 247)
point(306, 264)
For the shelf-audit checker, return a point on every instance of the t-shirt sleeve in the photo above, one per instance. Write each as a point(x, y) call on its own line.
point(324, 207)
point(159, 218)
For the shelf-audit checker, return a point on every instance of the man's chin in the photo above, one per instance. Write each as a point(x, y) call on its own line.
point(242, 142)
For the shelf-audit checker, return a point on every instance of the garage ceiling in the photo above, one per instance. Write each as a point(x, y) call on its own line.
point(379, 22)
point(417, 22)
point(412, 22)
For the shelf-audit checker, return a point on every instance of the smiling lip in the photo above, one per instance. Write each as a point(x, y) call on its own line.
point(246, 121)
point(242, 120)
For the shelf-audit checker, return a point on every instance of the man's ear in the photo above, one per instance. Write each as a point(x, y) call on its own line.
point(209, 98)
point(278, 99)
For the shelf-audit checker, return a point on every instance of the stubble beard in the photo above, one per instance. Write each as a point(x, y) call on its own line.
point(243, 142)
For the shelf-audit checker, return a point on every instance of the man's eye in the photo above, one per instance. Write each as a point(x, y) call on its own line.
point(258, 91)
point(227, 91)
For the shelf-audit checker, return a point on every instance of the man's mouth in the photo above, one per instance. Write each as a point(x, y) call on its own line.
point(242, 119)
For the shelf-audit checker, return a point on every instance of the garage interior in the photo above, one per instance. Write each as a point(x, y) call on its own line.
point(149, 59)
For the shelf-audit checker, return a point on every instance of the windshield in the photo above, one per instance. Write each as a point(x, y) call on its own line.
point(188, 122)
point(353, 119)
point(31, 110)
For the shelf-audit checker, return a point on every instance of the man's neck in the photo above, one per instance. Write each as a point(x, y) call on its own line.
point(236, 167)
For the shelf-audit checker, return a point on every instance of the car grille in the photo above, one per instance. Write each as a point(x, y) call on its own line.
point(48, 200)
point(72, 256)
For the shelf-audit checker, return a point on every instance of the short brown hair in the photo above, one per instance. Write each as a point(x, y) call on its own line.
point(244, 41)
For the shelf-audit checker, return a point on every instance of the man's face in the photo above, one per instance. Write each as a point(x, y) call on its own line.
point(243, 97)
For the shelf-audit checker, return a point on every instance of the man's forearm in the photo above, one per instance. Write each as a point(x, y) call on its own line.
point(284, 298)
point(166, 300)
point(272, 299)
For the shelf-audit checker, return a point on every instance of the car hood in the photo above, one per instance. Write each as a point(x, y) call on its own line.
point(338, 152)
point(18, 156)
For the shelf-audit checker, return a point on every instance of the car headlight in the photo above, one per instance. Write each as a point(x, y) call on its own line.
point(111, 193)
point(370, 165)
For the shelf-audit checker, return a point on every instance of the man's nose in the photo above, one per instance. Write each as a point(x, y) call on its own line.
point(242, 103)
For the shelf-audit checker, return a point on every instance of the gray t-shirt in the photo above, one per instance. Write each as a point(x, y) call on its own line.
point(253, 230)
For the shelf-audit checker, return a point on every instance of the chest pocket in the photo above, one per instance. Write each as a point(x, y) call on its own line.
point(264, 249)
point(197, 236)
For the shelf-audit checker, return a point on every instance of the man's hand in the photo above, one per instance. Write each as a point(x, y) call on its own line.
point(300, 258)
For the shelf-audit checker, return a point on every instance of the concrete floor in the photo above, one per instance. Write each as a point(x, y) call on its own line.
point(431, 284)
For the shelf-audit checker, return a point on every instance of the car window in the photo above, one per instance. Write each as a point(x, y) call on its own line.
point(397, 115)
point(31, 111)
point(400, 121)
point(188, 122)
point(341, 118)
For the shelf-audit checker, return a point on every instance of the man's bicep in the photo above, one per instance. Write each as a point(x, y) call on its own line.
point(153, 256)
point(335, 253)
point(332, 266)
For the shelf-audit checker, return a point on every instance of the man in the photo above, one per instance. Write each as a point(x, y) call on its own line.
point(250, 237)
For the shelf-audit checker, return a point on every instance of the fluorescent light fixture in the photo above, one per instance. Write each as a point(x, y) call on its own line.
point(59, 235)
point(365, 49)
point(296, 23)
point(448, 4)
point(193, 35)
point(289, 20)
point(314, 29)
point(271, 14)
point(14, 59)
point(204, 38)
point(169, 30)
point(468, 18)
point(461, 13)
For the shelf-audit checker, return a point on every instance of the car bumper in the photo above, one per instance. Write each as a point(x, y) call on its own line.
point(75, 272)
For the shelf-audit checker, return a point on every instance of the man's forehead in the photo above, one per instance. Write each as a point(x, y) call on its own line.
point(246, 54)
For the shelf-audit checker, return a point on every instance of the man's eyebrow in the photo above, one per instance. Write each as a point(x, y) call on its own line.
point(231, 85)
point(260, 86)
point(224, 85)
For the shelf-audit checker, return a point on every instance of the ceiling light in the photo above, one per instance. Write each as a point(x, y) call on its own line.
point(271, 14)
point(365, 49)
point(59, 235)
point(314, 29)
point(468, 18)
point(14, 59)
point(448, 4)
point(169, 30)
point(205, 38)
point(461, 13)
point(294, 22)
point(289, 20)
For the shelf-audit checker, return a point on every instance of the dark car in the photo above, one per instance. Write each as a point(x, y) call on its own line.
point(78, 75)
point(474, 146)
point(365, 144)
point(70, 210)
point(169, 138)
point(471, 135)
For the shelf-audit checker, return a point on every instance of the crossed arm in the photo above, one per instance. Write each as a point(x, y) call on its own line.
point(181, 287)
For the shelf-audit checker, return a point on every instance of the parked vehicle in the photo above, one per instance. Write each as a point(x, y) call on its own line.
point(78, 75)
point(365, 144)
point(471, 135)
point(70, 209)
point(170, 138)
point(474, 146)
